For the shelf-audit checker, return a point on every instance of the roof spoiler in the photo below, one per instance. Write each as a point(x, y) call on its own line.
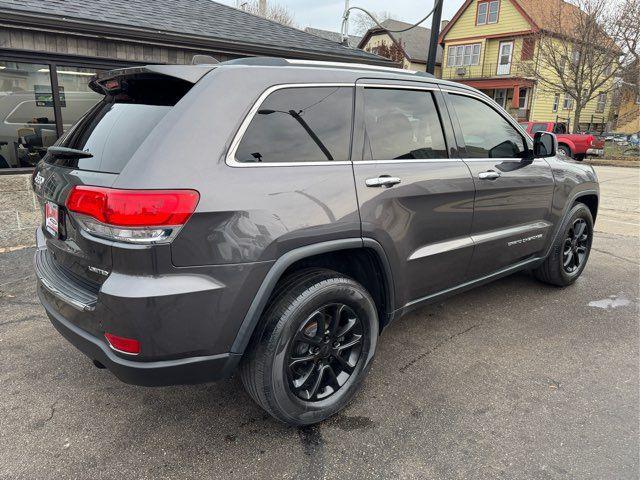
point(109, 82)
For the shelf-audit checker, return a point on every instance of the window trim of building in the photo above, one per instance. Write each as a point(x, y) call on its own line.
point(487, 13)
point(53, 61)
point(601, 102)
point(471, 55)
point(567, 102)
point(556, 103)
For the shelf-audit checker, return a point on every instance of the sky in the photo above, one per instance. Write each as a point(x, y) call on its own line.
point(327, 14)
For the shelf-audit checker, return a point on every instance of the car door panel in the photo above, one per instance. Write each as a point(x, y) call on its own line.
point(423, 222)
point(511, 220)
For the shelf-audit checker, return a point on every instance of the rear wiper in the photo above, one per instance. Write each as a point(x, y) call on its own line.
point(64, 152)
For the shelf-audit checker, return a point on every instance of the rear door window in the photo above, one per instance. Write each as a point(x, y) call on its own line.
point(402, 124)
point(306, 124)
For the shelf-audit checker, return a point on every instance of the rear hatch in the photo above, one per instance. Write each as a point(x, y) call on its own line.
point(94, 152)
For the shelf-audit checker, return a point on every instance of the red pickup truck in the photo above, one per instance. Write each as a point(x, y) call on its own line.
point(575, 145)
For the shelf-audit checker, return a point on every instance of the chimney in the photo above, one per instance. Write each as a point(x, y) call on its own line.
point(443, 24)
point(262, 8)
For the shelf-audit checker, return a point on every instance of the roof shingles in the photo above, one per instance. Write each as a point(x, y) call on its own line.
point(202, 18)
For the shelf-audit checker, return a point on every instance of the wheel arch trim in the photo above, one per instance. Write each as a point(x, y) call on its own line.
point(567, 208)
point(276, 271)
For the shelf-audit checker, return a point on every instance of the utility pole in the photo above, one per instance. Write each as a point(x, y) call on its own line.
point(435, 33)
point(344, 28)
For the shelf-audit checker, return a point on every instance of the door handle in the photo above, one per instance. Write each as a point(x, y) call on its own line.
point(489, 175)
point(382, 181)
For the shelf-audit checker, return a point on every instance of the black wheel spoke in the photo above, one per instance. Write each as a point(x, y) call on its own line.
point(300, 382)
point(576, 246)
point(332, 378)
point(344, 364)
point(346, 328)
point(314, 388)
point(351, 343)
point(300, 360)
point(324, 352)
point(578, 228)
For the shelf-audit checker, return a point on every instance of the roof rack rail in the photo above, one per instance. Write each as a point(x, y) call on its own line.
point(282, 62)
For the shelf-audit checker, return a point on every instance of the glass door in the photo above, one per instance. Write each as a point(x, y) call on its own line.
point(504, 58)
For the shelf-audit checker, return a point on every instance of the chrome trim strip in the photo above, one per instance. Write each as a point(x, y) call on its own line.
point(462, 242)
point(431, 87)
point(83, 307)
point(507, 232)
point(441, 247)
point(411, 160)
point(354, 66)
point(231, 154)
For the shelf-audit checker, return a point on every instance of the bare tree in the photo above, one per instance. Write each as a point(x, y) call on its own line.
point(626, 32)
point(272, 11)
point(363, 22)
point(577, 54)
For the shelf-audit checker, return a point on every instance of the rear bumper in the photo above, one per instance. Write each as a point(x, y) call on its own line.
point(154, 373)
point(595, 152)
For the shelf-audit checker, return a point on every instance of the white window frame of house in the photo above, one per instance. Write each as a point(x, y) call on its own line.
point(556, 102)
point(463, 55)
point(502, 98)
point(488, 11)
point(602, 103)
point(567, 103)
point(523, 100)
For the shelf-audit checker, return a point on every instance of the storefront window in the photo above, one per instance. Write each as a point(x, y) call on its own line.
point(76, 98)
point(27, 120)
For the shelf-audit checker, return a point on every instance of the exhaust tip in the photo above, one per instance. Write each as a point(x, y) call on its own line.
point(97, 364)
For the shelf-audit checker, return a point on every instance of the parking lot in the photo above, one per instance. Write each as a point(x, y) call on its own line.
point(512, 380)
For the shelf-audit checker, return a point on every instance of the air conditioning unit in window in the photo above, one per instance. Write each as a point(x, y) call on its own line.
point(461, 71)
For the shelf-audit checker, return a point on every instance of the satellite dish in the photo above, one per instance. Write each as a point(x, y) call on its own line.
point(203, 60)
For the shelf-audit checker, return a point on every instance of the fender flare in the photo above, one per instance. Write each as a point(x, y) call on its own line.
point(276, 271)
point(565, 212)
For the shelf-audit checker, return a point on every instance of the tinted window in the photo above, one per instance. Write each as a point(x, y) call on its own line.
point(559, 128)
point(310, 124)
point(486, 133)
point(539, 127)
point(402, 124)
point(115, 128)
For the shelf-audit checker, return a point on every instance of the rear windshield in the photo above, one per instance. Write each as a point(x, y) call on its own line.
point(115, 127)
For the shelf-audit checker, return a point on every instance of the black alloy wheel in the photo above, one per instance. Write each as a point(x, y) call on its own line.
point(575, 246)
point(324, 352)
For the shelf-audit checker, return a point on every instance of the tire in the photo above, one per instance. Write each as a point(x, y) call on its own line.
point(580, 157)
point(288, 354)
point(555, 270)
point(566, 150)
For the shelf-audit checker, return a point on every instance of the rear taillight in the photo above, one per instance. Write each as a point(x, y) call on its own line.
point(134, 216)
point(123, 344)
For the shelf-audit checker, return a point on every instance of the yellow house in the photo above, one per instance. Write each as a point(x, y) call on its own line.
point(409, 49)
point(491, 45)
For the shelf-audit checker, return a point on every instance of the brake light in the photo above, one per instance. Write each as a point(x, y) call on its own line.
point(123, 344)
point(136, 216)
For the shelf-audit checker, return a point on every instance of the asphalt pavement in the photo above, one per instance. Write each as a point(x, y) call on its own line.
point(513, 380)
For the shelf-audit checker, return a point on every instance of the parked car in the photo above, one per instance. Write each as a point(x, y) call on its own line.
point(573, 145)
point(621, 139)
point(275, 216)
point(608, 136)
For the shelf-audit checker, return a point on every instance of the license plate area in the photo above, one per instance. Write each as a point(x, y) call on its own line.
point(52, 219)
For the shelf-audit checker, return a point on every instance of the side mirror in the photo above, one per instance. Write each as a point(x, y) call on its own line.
point(545, 144)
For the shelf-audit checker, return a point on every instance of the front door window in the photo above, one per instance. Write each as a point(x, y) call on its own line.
point(504, 60)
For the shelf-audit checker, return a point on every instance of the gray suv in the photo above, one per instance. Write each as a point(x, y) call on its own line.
point(274, 216)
